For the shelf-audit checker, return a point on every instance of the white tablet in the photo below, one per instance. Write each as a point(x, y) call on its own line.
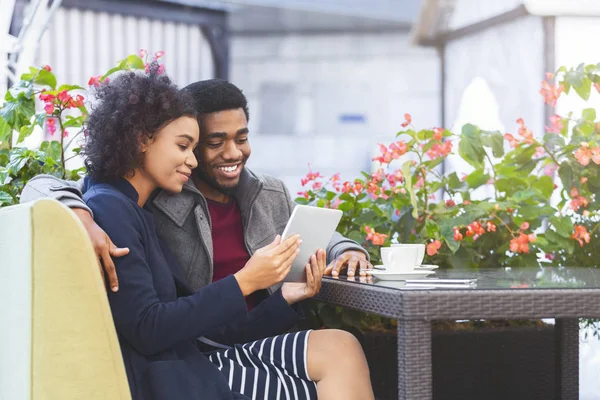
point(315, 226)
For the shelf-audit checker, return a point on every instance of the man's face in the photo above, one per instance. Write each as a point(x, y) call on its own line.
point(223, 149)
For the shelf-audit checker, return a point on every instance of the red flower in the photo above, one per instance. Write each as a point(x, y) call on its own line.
point(47, 68)
point(457, 235)
point(491, 227)
point(375, 238)
point(438, 134)
point(46, 97)
point(520, 244)
point(450, 203)
point(433, 247)
point(304, 194)
point(407, 120)
point(310, 176)
point(581, 235)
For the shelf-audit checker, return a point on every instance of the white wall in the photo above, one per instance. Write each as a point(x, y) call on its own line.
point(494, 78)
point(80, 44)
point(573, 38)
point(321, 78)
point(468, 12)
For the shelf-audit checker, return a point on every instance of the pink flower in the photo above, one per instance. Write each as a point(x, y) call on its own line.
point(583, 154)
point(438, 134)
point(524, 226)
point(539, 152)
point(551, 93)
point(49, 108)
point(142, 53)
point(161, 69)
point(556, 124)
point(317, 186)
point(550, 169)
point(159, 54)
point(525, 132)
point(51, 125)
point(304, 194)
point(514, 143)
point(95, 80)
point(407, 120)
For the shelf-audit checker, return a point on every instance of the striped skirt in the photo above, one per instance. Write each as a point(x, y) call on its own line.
point(272, 368)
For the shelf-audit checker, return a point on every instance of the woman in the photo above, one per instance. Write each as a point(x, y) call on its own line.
point(141, 137)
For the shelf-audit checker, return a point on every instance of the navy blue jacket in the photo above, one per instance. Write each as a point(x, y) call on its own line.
point(158, 317)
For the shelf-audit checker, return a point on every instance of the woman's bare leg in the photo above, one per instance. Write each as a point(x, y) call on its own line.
point(337, 363)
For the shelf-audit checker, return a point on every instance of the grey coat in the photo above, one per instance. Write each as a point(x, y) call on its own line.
point(183, 221)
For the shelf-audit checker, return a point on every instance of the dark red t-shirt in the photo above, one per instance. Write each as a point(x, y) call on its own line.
point(229, 250)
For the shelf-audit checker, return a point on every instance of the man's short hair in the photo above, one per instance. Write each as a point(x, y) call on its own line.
point(214, 95)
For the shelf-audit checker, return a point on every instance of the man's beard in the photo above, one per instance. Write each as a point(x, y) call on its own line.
point(213, 183)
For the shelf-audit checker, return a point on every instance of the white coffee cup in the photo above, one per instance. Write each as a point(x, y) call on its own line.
point(399, 259)
point(420, 247)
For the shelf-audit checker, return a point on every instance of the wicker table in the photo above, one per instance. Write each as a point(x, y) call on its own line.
point(525, 293)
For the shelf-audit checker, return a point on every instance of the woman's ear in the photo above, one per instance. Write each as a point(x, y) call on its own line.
point(144, 141)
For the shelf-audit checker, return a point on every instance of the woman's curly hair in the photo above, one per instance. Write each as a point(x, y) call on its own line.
point(131, 109)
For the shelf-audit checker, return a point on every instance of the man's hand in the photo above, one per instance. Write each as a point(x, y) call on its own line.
point(295, 292)
point(103, 246)
point(349, 259)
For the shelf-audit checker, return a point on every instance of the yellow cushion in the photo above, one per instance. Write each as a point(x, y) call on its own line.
point(74, 349)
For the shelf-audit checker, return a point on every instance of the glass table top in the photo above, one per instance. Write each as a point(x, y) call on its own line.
point(486, 279)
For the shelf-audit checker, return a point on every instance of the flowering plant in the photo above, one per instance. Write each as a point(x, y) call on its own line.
point(527, 198)
point(62, 115)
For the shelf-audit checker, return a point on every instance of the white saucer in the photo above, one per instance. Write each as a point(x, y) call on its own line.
point(399, 276)
point(426, 267)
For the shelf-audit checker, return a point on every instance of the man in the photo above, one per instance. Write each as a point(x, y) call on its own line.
point(225, 215)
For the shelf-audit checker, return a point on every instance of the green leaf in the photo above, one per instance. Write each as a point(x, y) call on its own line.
point(299, 200)
point(46, 78)
point(18, 112)
point(39, 119)
point(531, 213)
point(565, 172)
point(589, 114)
point(5, 131)
point(5, 198)
point(68, 88)
point(544, 185)
point(563, 225)
point(495, 141)
point(584, 89)
point(431, 228)
point(470, 146)
point(346, 206)
point(135, 62)
point(330, 195)
point(454, 183)
point(24, 132)
point(409, 188)
point(477, 178)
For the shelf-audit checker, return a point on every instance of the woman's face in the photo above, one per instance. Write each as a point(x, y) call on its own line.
point(169, 157)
